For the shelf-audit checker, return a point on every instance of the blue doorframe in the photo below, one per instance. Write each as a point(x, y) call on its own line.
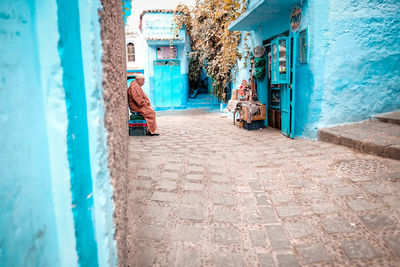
point(294, 39)
point(285, 110)
point(281, 76)
point(167, 89)
point(283, 62)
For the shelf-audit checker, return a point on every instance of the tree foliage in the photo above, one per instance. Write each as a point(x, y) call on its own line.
point(195, 70)
point(213, 45)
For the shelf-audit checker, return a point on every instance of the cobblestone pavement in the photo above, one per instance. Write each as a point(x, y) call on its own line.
point(206, 193)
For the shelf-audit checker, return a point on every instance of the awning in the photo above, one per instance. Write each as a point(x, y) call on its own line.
point(262, 12)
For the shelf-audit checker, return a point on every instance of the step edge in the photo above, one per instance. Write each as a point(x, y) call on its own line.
point(333, 137)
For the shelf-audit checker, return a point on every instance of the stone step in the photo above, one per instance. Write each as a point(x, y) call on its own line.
point(372, 136)
point(203, 101)
point(197, 106)
point(391, 117)
point(194, 101)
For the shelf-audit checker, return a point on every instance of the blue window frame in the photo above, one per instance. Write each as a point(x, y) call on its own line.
point(303, 46)
point(280, 65)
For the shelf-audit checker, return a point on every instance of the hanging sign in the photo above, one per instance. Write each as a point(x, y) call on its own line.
point(166, 52)
point(295, 19)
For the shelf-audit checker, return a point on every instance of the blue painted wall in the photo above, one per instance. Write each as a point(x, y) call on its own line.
point(158, 25)
point(308, 93)
point(28, 233)
point(78, 137)
point(354, 60)
point(56, 118)
point(126, 9)
point(354, 63)
point(54, 185)
point(362, 60)
point(103, 206)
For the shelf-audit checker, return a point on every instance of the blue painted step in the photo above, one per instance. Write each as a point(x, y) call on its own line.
point(203, 101)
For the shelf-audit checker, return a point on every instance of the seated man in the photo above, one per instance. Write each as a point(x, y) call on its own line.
point(139, 102)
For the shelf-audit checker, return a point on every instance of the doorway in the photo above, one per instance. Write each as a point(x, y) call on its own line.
point(168, 83)
point(280, 86)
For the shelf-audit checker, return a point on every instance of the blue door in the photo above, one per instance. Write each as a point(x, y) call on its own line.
point(280, 75)
point(285, 110)
point(168, 83)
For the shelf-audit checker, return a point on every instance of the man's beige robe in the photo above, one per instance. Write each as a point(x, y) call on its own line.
point(139, 102)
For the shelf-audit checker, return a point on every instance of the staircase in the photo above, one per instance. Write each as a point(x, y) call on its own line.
point(203, 101)
point(379, 135)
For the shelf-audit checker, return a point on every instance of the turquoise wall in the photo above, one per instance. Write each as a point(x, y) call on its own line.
point(353, 70)
point(158, 25)
point(56, 117)
point(103, 206)
point(362, 60)
point(55, 191)
point(308, 92)
point(354, 63)
point(78, 137)
point(27, 219)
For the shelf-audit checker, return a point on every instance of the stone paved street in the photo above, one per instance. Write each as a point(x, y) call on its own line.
point(206, 193)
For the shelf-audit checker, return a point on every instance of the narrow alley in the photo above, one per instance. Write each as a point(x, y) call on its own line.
point(206, 193)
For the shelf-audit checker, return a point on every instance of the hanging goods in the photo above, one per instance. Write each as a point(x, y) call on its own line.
point(259, 51)
point(259, 68)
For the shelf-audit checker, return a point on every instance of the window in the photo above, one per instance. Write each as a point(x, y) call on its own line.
point(280, 60)
point(282, 57)
point(167, 52)
point(274, 60)
point(303, 49)
point(131, 52)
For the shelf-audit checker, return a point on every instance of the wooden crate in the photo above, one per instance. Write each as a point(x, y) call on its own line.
point(261, 114)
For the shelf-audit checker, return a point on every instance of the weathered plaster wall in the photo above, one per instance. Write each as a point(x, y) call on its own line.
point(362, 60)
point(57, 125)
point(71, 57)
point(116, 115)
point(92, 53)
point(354, 63)
point(55, 188)
point(36, 218)
point(28, 234)
point(309, 87)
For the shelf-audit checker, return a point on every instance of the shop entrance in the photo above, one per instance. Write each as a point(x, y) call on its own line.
point(280, 76)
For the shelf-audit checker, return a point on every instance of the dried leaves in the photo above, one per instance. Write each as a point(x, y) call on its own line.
point(212, 43)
